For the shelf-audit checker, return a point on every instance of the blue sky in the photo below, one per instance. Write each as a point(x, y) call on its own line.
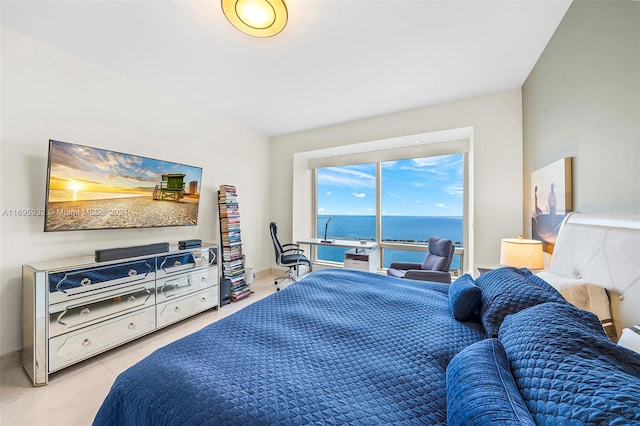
point(431, 186)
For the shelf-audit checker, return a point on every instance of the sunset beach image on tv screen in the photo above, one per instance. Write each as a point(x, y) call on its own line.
point(91, 188)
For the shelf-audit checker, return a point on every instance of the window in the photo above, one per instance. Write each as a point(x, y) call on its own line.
point(418, 198)
point(421, 197)
point(346, 200)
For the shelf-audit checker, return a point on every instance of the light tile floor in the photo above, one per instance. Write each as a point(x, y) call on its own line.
point(74, 395)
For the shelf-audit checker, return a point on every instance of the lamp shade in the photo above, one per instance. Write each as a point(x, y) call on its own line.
point(258, 18)
point(521, 253)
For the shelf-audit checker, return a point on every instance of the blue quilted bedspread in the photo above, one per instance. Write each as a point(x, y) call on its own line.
point(337, 347)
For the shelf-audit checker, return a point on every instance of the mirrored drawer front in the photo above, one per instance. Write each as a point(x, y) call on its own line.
point(186, 261)
point(175, 263)
point(175, 310)
point(65, 317)
point(205, 256)
point(73, 282)
point(185, 283)
point(72, 347)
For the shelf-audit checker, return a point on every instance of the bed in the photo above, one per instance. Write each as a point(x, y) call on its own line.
point(350, 347)
point(342, 345)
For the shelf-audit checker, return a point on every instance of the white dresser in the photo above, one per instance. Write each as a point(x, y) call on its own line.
point(76, 308)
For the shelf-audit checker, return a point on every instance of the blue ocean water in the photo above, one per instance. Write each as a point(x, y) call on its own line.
point(410, 229)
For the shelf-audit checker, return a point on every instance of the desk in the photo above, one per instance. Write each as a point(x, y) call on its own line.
point(339, 243)
point(366, 258)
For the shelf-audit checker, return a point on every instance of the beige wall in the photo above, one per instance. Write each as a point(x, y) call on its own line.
point(49, 94)
point(496, 151)
point(582, 100)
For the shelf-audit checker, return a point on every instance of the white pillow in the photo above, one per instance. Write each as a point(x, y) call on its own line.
point(630, 339)
point(587, 296)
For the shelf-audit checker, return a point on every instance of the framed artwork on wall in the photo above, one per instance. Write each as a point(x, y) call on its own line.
point(552, 193)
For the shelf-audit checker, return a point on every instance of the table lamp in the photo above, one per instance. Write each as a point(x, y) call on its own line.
point(521, 253)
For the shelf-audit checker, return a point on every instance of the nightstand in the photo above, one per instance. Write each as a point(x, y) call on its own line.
point(484, 269)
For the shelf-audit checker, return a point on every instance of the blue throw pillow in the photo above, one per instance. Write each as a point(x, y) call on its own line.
point(506, 291)
point(481, 389)
point(464, 298)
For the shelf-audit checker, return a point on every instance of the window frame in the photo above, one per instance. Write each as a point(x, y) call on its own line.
point(378, 157)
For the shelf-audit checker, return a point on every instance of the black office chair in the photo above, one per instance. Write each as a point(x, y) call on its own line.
point(288, 255)
point(435, 266)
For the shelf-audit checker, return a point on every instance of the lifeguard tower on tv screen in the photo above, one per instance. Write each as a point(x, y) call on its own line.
point(171, 187)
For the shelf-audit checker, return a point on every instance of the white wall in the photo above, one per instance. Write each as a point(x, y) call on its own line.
point(582, 100)
point(49, 94)
point(496, 154)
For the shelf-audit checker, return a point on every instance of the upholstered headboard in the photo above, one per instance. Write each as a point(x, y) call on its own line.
point(603, 249)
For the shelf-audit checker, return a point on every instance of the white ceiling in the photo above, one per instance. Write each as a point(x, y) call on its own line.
point(336, 61)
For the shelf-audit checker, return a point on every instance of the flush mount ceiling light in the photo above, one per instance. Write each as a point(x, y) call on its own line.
point(258, 18)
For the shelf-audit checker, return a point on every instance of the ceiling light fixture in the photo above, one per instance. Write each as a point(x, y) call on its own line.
point(257, 18)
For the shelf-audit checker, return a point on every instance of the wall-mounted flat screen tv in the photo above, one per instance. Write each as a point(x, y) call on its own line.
point(92, 188)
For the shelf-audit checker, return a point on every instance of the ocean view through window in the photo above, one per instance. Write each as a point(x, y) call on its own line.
point(419, 198)
point(404, 227)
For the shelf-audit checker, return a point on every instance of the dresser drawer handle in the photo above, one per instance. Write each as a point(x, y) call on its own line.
point(131, 299)
point(85, 281)
point(203, 278)
point(167, 261)
point(84, 312)
point(133, 272)
point(131, 326)
point(176, 309)
point(86, 343)
point(203, 300)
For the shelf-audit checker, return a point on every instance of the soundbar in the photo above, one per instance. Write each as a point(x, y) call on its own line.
point(133, 251)
point(189, 244)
